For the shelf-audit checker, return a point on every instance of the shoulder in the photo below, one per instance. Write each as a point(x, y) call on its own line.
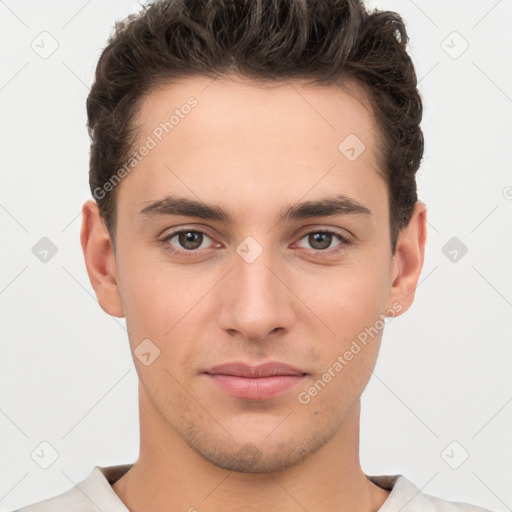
point(71, 501)
point(89, 495)
point(407, 497)
point(442, 505)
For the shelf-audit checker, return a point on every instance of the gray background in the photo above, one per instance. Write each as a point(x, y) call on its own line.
point(441, 390)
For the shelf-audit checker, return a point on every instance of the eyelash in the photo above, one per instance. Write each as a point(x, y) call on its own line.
point(343, 239)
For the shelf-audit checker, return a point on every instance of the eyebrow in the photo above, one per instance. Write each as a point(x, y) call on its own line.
point(325, 207)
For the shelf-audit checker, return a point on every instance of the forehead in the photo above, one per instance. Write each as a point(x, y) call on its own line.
point(238, 140)
point(242, 108)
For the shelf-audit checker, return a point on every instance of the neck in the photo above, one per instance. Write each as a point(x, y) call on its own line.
point(170, 476)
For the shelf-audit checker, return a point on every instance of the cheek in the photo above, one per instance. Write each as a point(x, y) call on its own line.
point(347, 359)
point(350, 303)
point(346, 299)
point(146, 300)
point(162, 304)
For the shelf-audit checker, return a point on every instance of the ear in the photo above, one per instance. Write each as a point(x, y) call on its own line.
point(100, 260)
point(408, 260)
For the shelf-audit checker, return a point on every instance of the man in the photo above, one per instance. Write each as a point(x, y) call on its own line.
point(257, 224)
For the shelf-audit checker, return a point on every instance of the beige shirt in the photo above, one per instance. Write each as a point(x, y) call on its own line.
point(95, 493)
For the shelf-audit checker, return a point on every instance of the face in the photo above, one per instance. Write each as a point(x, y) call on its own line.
point(257, 277)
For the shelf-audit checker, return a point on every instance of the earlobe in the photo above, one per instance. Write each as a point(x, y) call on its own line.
point(408, 259)
point(99, 259)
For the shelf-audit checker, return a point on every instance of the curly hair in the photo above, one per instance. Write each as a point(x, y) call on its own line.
point(328, 42)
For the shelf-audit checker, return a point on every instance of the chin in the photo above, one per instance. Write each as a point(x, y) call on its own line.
point(249, 459)
point(258, 456)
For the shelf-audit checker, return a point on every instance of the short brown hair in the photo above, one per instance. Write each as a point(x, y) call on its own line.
point(323, 42)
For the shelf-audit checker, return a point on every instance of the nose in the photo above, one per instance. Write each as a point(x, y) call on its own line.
point(256, 298)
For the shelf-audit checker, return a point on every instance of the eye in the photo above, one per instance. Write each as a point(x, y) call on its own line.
point(187, 241)
point(321, 239)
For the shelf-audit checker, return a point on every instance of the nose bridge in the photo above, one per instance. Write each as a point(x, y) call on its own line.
point(254, 300)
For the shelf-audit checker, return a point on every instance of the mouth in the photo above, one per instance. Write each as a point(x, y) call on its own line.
point(261, 382)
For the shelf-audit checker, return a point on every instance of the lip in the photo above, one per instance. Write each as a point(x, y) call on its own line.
point(260, 382)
